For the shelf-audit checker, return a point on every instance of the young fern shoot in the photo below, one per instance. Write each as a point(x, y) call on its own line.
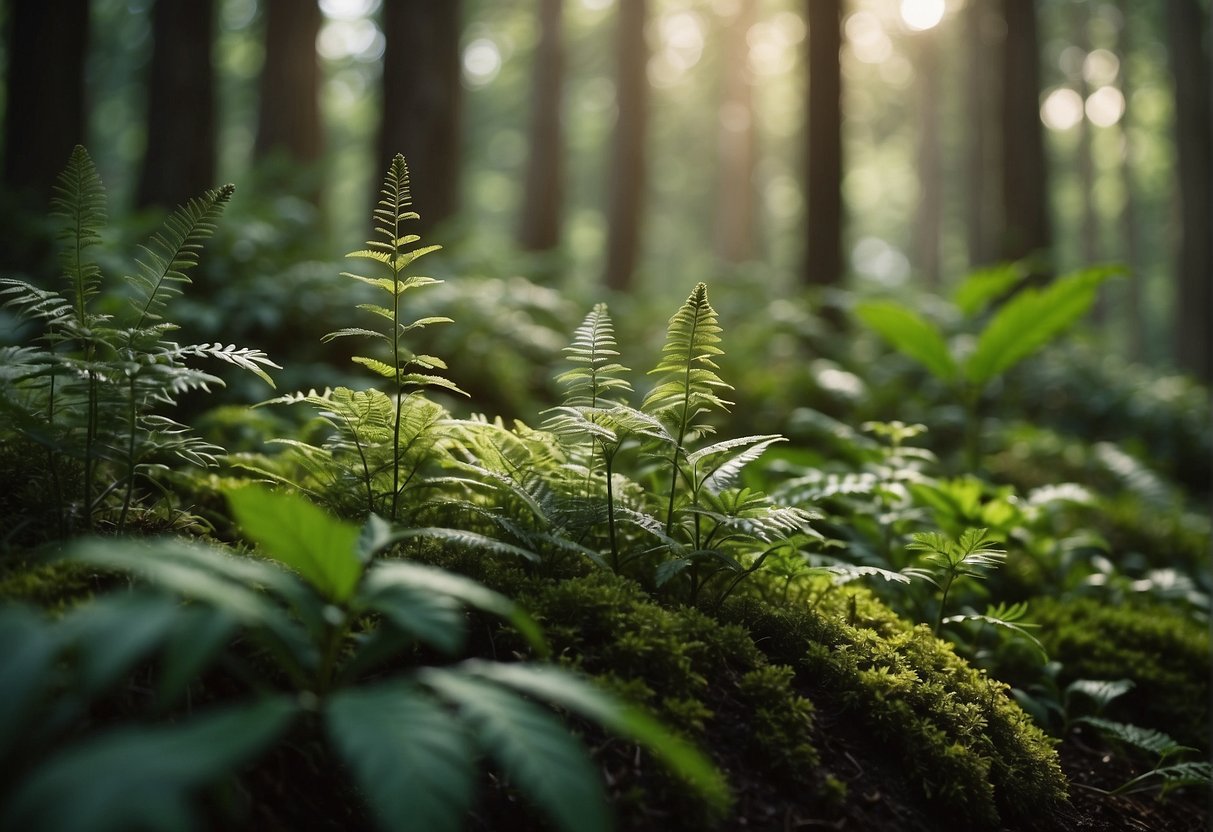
point(687, 385)
point(391, 249)
point(973, 555)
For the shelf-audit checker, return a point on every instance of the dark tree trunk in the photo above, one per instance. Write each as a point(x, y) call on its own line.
point(421, 101)
point(180, 158)
point(44, 114)
point(289, 110)
point(930, 197)
point(627, 170)
point(1088, 229)
point(1194, 303)
point(1026, 228)
point(1129, 235)
point(736, 143)
point(823, 163)
point(982, 197)
point(543, 194)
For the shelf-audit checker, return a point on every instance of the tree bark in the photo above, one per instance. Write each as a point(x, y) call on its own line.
point(982, 196)
point(1194, 300)
point(421, 102)
point(627, 170)
point(930, 186)
point(543, 194)
point(736, 145)
point(823, 264)
point(1026, 229)
point(289, 110)
point(179, 161)
point(44, 116)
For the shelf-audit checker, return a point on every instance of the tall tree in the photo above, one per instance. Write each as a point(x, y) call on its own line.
point(543, 193)
point(180, 158)
point(823, 159)
point(736, 146)
point(627, 170)
point(44, 115)
point(289, 110)
point(421, 101)
point(1129, 232)
point(982, 187)
point(1186, 26)
point(1026, 227)
point(930, 185)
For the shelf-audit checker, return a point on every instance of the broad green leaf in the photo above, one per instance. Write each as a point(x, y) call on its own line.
point(984, 286)
point(559, 687)
point(294, 532)
point(411, 757)
point(1031, 319)
point(910, 334)
point(142, 777)
point(434, 619)
point(199, 633)
point(535, 749)
point(386, 575)
point(114, 632)
point(30, 645)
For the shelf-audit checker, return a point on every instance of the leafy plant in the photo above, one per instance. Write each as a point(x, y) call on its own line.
point(947, 560)
point(380, 441)
point(89, 395)
point(318, 626)
point(1031, 319)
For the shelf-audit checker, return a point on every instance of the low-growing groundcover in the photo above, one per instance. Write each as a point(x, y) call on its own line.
point(380, 614)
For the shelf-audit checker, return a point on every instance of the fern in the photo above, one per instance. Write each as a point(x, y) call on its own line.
point(91, 394)
point(973, 555)
point(687, 385)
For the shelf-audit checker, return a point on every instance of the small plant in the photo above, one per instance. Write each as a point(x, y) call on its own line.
point(380, 442)
point(89, 395)
point(947, 560)
point(1020, 327)
point(322, 634)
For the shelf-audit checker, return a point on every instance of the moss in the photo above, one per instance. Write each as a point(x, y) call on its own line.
point(973, 754)
point(1165, 654)
point(52, 586)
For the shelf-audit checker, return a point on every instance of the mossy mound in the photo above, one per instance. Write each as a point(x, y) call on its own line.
point(1165, 654)
point(972, 754)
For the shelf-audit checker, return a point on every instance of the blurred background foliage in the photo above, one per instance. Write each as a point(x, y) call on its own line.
point(623, 149)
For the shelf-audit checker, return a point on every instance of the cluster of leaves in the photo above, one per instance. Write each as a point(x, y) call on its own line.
point(318, 628)
point(91, 395)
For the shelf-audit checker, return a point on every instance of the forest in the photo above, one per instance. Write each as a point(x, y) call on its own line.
point(601, 415)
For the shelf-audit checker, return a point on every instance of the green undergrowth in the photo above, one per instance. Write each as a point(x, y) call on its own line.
point(1164, 654)
point(752, 681)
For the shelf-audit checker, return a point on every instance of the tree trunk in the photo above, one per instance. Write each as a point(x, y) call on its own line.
point(930, 198)
point(1024, 170)
point(823, 174)
point(627, 169)
point(421, 102)
point(982, 197)
point(179, 161)
point(44, 116)
point(1088, 229)
point(1130, 240)
point(734, 236)
point(289, 110)
point(543, 194)
point(1194, 301)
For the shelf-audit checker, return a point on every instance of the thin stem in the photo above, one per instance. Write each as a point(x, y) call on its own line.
point(943, 601)
point(52, 461)
point(682, 426)
point(610, 458)
point(130, 458)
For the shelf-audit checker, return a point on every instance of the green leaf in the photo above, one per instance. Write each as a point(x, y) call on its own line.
point(142, 777)
point(436, 620)
point(1031, 319)
point(294, 532)
point(30, 646)
point(412, 758)
point(984, 286)
point(375, 365)
point(910, 334)
point(561, 688)
point(384, 576)
point(532, 746)
point(114, 632)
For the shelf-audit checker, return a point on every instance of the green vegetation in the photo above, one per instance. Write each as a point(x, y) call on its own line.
point(395, 611)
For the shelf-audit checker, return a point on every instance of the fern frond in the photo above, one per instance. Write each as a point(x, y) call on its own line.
point(173, 251)
point(246, 358)
point(79, 202)
point(594, 347)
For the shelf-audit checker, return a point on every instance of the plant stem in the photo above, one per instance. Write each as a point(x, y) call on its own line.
point(973, 431)
point(610, 486)
point(943, 601)
point(130, 458)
